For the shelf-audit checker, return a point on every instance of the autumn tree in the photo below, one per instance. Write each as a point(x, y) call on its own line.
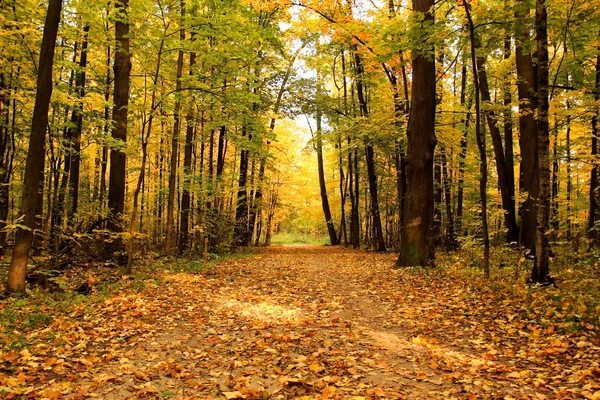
point(416, 247)
point(34, 166)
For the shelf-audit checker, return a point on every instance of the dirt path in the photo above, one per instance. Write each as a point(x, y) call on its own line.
point(311, 323)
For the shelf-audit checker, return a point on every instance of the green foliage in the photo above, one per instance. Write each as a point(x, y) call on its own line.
point(290, 238)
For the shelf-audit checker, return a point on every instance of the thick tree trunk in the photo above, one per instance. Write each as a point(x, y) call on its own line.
point(416, 249)
point(529, 173)
point(34, 165)
point(541, 271)
point(118, 158)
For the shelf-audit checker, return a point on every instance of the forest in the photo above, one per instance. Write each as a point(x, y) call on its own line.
point(414, 184)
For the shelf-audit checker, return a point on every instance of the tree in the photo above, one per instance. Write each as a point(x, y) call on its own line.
point(118, 157)
point(34, 166)
point(333, 238)
point(416, 247)
point(480, 141)
point(541, 271)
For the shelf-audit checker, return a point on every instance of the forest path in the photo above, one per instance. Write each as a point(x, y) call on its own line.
point(320, 322)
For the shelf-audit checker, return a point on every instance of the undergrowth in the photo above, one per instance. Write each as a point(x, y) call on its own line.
point(573, 304)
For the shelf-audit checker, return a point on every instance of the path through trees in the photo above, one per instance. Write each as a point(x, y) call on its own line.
point(295, 321)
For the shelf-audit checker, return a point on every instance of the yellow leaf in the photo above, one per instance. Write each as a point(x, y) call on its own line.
point(233, 395)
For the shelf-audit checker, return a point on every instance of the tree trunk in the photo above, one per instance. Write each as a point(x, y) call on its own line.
point(509, 154)
point(171, 237)
point(529, 173)
point(77, 122)
point(34, 165)
point(241, 210)
point(333, 239)
point(378, 239)
point(118, 158)
point(593, 231)
point(507, 187)
point(541, 271)
point(480, 144)
point(416, 249)
point(554, 216)
point(463, 153)
point(451, 243)
point(186, 205)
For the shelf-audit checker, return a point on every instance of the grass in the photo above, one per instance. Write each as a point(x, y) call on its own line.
point(298, 238)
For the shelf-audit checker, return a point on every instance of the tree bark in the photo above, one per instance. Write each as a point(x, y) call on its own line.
point(593, 231)
point(529, 173)
point(416, 249)
point(541, 271)
point(333, 239)
point(463, 154)
point(379, 239)
point(34, 165)
point(186, 208)
point(118, 157)
point(507, 188)
point(480, 143)
point(77, 122)
point(171, 237)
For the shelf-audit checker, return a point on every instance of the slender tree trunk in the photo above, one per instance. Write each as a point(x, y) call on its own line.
point(379, 240)
point(541, 271)
point(145, 136)
point(34, 165)
point(7, 152)
point(77, 122)
point(450, 232)
point(171, 237)
point(593, 231)
point(480, 145)
point(186, 205)
point(509, 154)
point(569, 177)
point(416, 249)
point(554, 216)
point(104, 156)
point(118, 158)
point(241, 210)
point(333, 239)
point(506, 186)
point(463, 153)
point(437, 201)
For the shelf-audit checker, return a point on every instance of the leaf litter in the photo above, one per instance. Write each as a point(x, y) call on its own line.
point(299, 323)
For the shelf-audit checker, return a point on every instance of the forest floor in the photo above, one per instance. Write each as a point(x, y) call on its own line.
point(296, 322)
